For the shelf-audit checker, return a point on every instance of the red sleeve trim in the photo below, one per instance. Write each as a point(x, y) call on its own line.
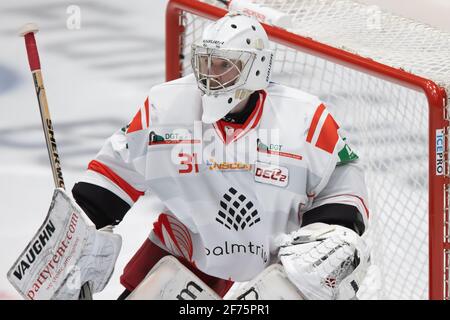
point(105, 171)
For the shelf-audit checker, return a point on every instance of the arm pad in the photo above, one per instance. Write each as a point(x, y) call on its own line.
point(101, 205)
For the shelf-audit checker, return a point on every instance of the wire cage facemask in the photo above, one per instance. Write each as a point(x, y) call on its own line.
point(220, 70)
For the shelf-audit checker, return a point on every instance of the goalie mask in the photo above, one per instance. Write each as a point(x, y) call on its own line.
point(231, 62)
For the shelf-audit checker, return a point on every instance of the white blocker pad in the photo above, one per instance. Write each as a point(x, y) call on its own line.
point(50, 256)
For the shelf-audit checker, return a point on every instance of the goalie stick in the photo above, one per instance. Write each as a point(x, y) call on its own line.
point(28, 31)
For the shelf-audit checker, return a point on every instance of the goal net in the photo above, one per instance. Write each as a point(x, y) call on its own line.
point(385, 79)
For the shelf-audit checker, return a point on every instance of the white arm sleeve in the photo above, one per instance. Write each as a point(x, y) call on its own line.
point(345, 186)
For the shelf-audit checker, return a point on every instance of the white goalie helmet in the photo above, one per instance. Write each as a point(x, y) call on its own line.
point(232, 61)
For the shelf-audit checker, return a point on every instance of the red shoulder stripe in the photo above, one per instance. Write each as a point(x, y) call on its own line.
point(328, 136)
point(147, 112)
point(136, 123)
point(320, 109)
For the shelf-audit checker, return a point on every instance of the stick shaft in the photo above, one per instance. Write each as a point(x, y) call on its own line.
point(35, 66)
point(48, 129)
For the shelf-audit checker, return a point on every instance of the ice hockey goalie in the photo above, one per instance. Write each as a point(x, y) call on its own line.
point(251, 173)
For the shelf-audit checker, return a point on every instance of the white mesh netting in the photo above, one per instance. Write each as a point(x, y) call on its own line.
point(384, 122)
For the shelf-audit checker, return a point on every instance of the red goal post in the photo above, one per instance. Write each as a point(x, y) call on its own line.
point(438, 121)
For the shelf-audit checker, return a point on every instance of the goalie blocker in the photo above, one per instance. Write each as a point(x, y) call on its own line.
point(64, 254)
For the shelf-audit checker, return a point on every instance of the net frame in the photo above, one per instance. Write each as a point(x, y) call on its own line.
point(438, 119)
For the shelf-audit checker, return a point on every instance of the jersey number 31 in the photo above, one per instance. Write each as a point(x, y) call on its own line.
point(189, 161)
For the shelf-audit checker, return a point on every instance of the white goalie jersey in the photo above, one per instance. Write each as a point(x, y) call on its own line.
point(230, 189)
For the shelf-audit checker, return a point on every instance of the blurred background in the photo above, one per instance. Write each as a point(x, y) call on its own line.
point(99, 59)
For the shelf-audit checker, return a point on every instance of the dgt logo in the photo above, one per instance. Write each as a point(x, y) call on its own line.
point(271, 174)
point(191, 291)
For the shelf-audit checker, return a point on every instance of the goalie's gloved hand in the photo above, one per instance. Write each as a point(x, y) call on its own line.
point(95, 264)
point(324, 261)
